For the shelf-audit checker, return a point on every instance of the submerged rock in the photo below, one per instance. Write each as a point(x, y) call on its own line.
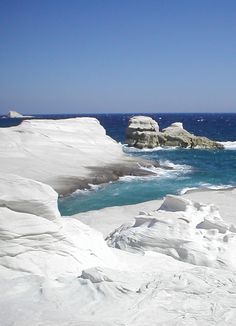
point(143, 132)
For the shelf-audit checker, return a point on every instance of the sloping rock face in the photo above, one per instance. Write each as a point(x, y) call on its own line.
point(28, 196)
point(61, 153)
point(43, 244)
point(143, 132)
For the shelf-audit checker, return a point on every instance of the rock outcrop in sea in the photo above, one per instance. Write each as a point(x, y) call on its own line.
point(143, 132)
point(14, 114)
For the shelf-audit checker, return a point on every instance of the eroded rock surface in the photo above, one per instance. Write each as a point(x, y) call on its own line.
point(142, 132)
point(176, 135)
point(187, 231)
point(43, 243)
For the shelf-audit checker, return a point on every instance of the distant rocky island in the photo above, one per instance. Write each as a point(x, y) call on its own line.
point(144, 132)
point(14, 114)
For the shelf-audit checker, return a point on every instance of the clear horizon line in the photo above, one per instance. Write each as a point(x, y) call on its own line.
point(126, 113)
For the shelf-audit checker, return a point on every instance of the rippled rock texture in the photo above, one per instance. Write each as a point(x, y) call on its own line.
point(187, 231)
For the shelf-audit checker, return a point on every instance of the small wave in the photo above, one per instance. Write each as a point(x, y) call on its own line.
point(231, 145)
point(160, 172)
point(167, 164)
point(187, 189)
point(219, 187)
point(147, 150)
point(205, 186)
point(87, 191)
point(138, 150)
point(131, 178)
point(178, 167)
point(94, 187)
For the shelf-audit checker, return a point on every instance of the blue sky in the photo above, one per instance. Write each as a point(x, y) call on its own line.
point(117, 56)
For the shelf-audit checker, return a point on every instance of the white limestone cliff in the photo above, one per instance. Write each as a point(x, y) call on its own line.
point(58, 152)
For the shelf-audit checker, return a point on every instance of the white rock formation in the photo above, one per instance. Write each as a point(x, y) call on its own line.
point(187, 231)
point(14, 114)
point(28, 196)
point(142, 132)
point(45, 245)
point(38, 246)
point(143, 123)
point(60, 272)
point(177, 125)
point(58, 152)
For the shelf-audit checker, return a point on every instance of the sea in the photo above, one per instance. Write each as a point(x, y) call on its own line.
point(191, 168)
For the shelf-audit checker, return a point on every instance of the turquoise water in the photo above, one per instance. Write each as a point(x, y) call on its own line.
point(191, 168)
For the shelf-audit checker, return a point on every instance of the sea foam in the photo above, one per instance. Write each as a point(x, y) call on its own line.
point(231, 145)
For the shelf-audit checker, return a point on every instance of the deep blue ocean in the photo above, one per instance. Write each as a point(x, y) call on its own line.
point(192, 168)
